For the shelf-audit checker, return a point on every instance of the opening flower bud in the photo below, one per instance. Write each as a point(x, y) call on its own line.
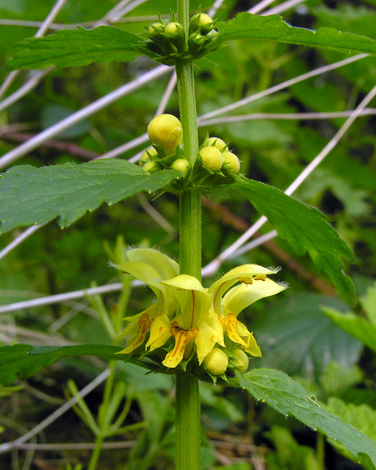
point(217, 143)
point(243, 360)
point(156, 28)
point(216, 362)
point(231, 162)
point(166, 131)
point(211, 158)
point(145, 157)
point(181, 164)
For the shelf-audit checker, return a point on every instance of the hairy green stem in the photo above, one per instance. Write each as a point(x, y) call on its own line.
point(188, 420)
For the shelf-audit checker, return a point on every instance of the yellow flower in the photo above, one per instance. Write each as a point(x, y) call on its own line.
point(195, 317)
point(149, 266)
point(255, 285)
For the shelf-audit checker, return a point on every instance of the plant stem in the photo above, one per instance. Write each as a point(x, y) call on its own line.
point(96, 453)
point(188, 421)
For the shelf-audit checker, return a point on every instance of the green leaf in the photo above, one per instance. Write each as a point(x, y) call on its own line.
point(305, 228)
point(74, 47)
point(297, 337)
point(362, 417)
point(356, 326)
point(280, 392)
point(368, 301)
point(30, 195)
point(248, 26)
point(21, 361)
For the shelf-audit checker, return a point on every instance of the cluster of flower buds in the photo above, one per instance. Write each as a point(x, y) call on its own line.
point(168, 42)
point(215, 163)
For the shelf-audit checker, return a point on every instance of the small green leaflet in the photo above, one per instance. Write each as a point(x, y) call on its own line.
point(305, 228)
point(21, 361)
point(280, 392)
point(73, 47)
point(30, 195)
point(248, 26)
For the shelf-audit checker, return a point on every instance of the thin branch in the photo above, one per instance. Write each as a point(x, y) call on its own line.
point(6, 447)
point(231, 251)
point(55, 299)
point(282, 86)
point(25, 88)
point(74, 446)
point(286, 116)
point(69, 147)
point(83, 113)
point(282, 7)
point(19, 239)
point(260, 6)
point(41, 31)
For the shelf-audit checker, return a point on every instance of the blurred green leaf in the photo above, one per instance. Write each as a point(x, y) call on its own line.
point(75, 47)
point(361, 417)
point(368, 301)
point(280, 392)
point(30, 195)
point(297, 337)
point(248, 26)
point(305, 228)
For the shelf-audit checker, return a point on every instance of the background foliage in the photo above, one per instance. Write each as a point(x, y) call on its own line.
point(295, 332)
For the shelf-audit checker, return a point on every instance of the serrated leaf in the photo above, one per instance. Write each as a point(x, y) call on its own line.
point(280, 392)
point(248, 26)
point(30, 195)
point(356, 326)
point(21, 361)
point(305, 228)
point(74, 47)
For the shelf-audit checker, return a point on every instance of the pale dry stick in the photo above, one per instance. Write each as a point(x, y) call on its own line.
point(18, 240)
point(282, 86)
point(25, 88)
point(33, 334)
point(155, 215)
point(127, 9)
point(260, 6)
point(7, 446)
point(109, 15)
point(41, 31)
point(282, 7)
point(286, 116)
point(83, 113)
point(73, 446)
point(55, 299)
point(232, 250)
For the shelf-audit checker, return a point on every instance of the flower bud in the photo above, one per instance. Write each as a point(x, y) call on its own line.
point(151, 167)
point(181, 164)
point(242, 360)
point(211, 158)
point(216, 362)
point(165, 130)
point(217, 143)
point(156, 28)
point(145, 157)
point(201, 21)
point(231, 162)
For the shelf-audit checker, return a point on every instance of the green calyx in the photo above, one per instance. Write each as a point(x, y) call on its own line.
point(167, 42)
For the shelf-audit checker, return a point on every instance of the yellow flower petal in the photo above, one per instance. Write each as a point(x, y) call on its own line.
point(205, 341)
point(240, 297)
point(182, 338)
point(159, 332)
point(143, 325)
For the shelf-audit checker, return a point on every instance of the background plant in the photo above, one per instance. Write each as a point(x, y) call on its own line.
point(343, 185)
